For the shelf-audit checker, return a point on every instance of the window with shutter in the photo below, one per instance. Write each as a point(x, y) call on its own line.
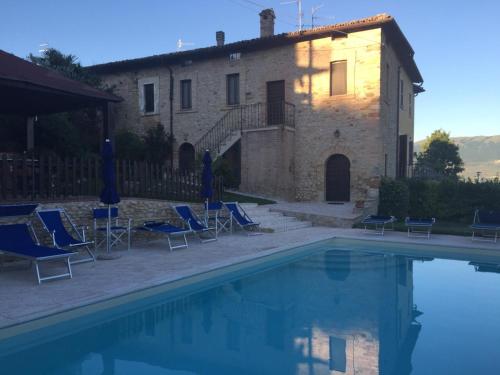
point(149, 97)
point(402, 94)
point(338, 77)
point(186, 102)
point(233, 89)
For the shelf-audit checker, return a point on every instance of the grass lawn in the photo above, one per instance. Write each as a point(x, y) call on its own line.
point(232, 197)
point(441, 227)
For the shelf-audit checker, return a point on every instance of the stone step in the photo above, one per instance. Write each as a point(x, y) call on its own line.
point(277, 221)
point(254, 214)
point(246, 206)
point(272, 220)
point(293, 226)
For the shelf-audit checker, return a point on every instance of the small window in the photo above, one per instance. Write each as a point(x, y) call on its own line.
point(402, 94)
point(410, 105)
point(149, 97)
point(338, 78)
point(186, 94)
point(235, 56)
point(385, 165)
point(233, 89)
point(387, 81)
point(410, 154)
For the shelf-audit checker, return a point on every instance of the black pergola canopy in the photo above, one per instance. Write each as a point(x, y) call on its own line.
point(29, 89)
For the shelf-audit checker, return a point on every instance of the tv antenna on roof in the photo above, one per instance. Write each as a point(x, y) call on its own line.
point(314, 17)
point(181, 44)
point(43, 47)
point(300, 14)
point(314, 9)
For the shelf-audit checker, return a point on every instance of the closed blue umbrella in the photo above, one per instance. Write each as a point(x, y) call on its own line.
point(206, 181)
point(109, 195)
point(207, 177)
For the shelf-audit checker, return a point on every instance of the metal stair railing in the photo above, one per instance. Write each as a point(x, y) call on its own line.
point(250, 116)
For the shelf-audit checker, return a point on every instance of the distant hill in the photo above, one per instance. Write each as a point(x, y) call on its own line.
point(481, 153)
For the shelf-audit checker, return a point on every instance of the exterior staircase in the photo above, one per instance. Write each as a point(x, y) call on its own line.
point(227, 130)
point(273, 221)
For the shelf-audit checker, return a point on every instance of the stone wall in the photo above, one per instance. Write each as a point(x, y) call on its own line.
point(137, 209)
point(357, 124)
point(267, 162)
point(390, 66)
point(343, 124)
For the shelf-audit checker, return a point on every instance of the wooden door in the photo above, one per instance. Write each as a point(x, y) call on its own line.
point(338, 179)
point(275, 102)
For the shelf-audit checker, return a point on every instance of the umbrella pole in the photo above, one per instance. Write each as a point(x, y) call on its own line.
point(108, 229)
point(206, 211)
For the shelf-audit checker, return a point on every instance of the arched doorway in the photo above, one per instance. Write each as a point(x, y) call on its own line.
point(338, 179)
point(186, 157)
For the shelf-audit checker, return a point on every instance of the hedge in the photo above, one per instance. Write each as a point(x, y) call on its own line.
point(449, 199)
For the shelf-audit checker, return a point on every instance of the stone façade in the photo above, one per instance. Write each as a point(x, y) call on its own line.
point(364, 124)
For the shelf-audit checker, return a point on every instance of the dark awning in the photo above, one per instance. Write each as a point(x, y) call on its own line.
point(29, 89)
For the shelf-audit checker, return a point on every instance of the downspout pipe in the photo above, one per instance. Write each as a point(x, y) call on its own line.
point(398, 104)
point(171, 119)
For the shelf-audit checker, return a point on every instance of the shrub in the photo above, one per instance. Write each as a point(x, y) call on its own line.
point(394, 198)
point(448, 199)
point(424, 197)
point(222, 168)
point(129, 146)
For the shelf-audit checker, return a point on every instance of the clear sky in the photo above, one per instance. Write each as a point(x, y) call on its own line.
point(456, 43)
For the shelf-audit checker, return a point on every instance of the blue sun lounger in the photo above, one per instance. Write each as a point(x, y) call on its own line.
point(193, 222)
point(419, 227)
point(16, 240)
point(378, 222)
point(167, 229)
point(52, 220)
point(239, 216)
point(487, 223)
point(9, 210)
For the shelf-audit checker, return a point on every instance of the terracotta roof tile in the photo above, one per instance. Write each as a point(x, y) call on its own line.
point(385, 21)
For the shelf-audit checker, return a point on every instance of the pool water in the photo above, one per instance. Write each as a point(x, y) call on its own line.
point(341, 307)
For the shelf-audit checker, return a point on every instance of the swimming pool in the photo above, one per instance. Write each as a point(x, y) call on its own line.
point(333, 307)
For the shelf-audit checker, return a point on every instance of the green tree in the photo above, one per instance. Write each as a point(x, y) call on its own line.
point(67, 65)
point(440, 155)
point(437, 135)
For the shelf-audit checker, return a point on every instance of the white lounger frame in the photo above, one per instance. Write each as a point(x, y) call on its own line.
point(81, 236)
point(417, 230)
point(182, 245)
point(379, 228)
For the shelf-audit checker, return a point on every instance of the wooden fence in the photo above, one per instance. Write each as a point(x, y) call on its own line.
point(51, 178)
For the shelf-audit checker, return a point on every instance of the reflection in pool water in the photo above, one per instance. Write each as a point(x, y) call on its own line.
point(335, 312)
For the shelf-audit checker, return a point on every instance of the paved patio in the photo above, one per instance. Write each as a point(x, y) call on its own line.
point(151, 264)
point(342, 215)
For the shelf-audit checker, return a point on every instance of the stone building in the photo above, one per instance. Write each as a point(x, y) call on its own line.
point(315, 115)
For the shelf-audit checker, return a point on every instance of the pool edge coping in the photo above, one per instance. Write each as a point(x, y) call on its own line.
point(37, 320)
point(154, 285)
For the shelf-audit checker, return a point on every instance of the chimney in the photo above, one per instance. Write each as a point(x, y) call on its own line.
point(219, 37)
point(267, 22)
